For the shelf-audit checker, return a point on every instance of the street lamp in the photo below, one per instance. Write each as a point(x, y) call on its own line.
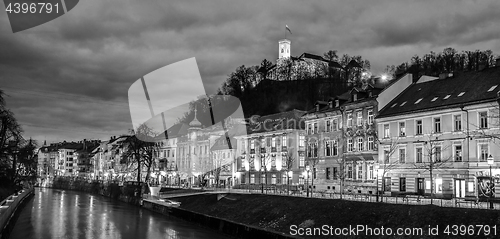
point(307, 181)
point(490, 162)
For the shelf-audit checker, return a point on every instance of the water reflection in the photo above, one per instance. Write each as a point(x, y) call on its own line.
point(67, 214)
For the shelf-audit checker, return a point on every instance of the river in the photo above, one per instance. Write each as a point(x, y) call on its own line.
point(54, 213)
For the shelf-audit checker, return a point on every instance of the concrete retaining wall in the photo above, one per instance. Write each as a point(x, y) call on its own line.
point(9, 209)
point(227, 227)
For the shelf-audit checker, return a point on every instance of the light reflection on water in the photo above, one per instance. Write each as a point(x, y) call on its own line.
point(56, 213)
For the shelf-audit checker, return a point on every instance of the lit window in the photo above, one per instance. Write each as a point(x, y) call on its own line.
point(360, 144)
point(461, 93)
point(446, 97)
point(394, 105)
point(483, 152)
point(371, 143)
point(458, 153)
point(403, 103)
point(370, 117)
point(492, 88)
point(434, 99)
point(418, 101)
point(360, 118)
point(349, 119)
point(402, 184)
point(386, 131)
point(349, 145)
point(402, 129)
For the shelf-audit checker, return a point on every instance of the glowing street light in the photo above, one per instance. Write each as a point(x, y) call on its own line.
point(491, 186)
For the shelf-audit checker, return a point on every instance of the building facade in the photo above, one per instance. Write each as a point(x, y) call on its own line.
point(437, 136)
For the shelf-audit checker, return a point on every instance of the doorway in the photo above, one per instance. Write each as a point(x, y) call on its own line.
point(420, 186)
point(459, 188)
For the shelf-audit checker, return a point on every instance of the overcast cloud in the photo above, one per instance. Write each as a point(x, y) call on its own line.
point(68, 79)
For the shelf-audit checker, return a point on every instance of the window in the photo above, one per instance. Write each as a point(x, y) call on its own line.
point(360, 171)
point(309, 129)
point(327, 125)
point(402, 155)
point(314, 173)
point(370, 117)
point(301, 161)
point(284, 141)
point(402, 129)
point(387, 184)
point(328, 174)
point(349, 171)
point(457, 122)
point(386, 131)
point(483, 152)
point(315, 128)
point(335, 172)
point(371, 143)
point(284, 158)
point(402, 184)
point(359, 119)
point(360, 144)
point(335, 125)
point(437, 125)
point(354, 97)
point(302, 141)
point(315, 150)
point(458, 153)
point(386, 156)
point(335, 148)
point(418, 127)
point(328, 148)
point(418, 155)
point(370, 172)
point(273, 179)
point(349, 119)
point(273, 142)
point(262, 178)
point(483, 120)
point(349, 145)
point(252, 178)
point(437, 153)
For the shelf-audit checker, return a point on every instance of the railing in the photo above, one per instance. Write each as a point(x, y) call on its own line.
point(8, 208)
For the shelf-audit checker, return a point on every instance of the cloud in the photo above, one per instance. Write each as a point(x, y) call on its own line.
point(83, 63)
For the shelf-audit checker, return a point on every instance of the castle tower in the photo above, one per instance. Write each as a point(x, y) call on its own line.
point(284, 48)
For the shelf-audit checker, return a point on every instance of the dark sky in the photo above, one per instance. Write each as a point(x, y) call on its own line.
point(68, 79)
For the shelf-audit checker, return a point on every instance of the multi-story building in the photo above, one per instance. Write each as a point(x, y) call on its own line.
point(273, 149)
point(341, 136)
point(438, 135)
point(341, 140)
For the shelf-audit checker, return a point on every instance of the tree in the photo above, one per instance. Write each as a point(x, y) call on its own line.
point(266, 162)
point(140, 148)
point(386, 164)
point(28, 159)
point(435, 160)
point(289, 159)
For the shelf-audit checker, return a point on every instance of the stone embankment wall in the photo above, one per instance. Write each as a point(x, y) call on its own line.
point(10, 209)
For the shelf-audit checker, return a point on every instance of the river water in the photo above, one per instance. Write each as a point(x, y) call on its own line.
point(54, 213)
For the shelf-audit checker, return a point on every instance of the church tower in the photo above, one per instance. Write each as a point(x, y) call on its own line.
point(284, 48)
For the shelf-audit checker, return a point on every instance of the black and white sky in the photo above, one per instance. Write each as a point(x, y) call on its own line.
point(68, 79)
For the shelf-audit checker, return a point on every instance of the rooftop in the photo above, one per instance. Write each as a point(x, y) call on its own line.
point(461, 89)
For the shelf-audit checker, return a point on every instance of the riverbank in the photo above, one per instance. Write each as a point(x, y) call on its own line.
point(280, 213)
